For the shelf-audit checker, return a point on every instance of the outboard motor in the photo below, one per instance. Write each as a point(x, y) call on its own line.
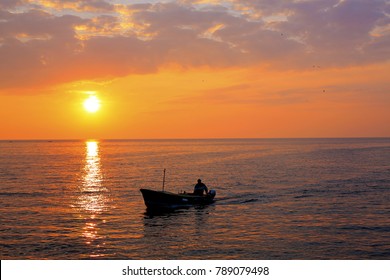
point(212, 193)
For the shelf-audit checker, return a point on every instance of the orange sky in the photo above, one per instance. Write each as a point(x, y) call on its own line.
point(194, 69)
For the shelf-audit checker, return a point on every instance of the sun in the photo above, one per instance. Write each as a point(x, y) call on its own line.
point(92, 104)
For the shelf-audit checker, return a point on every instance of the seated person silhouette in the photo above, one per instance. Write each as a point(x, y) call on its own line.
point(200, 188)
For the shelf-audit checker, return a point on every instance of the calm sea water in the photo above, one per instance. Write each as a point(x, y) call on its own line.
point(276, 199)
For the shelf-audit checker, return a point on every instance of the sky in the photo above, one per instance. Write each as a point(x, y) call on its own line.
point(194, 69)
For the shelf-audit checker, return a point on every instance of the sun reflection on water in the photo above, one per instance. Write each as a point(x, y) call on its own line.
point(93, 197)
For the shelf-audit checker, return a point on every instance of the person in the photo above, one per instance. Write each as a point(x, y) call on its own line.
point(200, 188)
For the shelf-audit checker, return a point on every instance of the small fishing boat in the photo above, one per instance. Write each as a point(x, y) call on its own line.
point(163, 200)
point(169, 201)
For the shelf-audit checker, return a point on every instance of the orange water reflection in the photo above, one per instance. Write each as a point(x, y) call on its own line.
point(93, 198)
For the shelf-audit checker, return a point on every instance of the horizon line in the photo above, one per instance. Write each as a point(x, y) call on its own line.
point(204, 138)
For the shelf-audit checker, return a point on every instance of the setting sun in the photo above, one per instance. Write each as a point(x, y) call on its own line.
point(92, 104)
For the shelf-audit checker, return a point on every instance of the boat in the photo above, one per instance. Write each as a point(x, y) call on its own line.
point(170, 201)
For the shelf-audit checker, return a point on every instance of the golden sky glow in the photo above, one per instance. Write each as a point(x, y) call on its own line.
point(194, 69)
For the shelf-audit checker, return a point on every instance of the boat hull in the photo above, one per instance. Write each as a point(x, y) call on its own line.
point(167, 200)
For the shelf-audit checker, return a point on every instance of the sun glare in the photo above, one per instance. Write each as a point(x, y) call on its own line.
point(92, 104)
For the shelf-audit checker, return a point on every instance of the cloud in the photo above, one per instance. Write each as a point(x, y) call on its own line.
point(34, 47)
point(75, 5)
point(333, 33)
point(49, 42)
point(9, 4)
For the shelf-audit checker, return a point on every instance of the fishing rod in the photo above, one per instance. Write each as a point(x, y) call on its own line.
point(163, 180)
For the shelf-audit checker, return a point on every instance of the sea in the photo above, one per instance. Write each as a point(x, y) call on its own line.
point(277, 199)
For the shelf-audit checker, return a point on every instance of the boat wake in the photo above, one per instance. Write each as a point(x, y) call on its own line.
point(238, 199)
